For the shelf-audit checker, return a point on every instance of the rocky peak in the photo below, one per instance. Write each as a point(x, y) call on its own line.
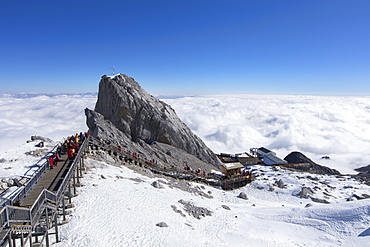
point(143, 118)
point(297, 157)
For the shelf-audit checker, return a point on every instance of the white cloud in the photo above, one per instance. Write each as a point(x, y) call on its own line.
point(335, 126)
point(315, 125)
point(54, 117)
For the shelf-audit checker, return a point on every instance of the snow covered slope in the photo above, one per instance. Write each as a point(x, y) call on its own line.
point(119, 207)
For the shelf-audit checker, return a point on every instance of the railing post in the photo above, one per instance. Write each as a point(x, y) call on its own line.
point(81, 164)
point(74, 184)
point(77, 171)
point(47, 227)
point(30, 215)
point(56, 226)
point(10, 239)
point(69, 193)
point(47, 217)
point(64, 207)
point(7, 215)
point(22, 240)
point(30, 240)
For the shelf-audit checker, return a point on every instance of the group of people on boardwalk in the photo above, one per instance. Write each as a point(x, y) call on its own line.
point(70, 147)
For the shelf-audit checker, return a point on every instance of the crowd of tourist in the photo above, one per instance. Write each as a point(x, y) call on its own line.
point(70, 147)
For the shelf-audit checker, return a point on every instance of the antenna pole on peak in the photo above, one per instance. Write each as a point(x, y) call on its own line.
point(112, 70)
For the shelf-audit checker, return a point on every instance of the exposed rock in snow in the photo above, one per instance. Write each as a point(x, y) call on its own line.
point(280, 184)
point(178, 210)
point(162, 224)
point(196, 212)
point(40, 138)
point(38, 152)
point(319, 200)
point(364, 169)
point(297, 157)
point(142, 118)
point(305, 192)
point(242, 195)
point(363, 196)
point(270, 187)
point(157, 184)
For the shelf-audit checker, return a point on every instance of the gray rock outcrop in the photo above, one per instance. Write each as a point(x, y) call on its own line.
point(127, 116)
point(297, 157)
point(242, 195)
point(157, 184)
point(40, 138)
point(305, 192)
point(162, 224)
point(280, 184)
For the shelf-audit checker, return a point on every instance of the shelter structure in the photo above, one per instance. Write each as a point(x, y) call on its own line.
point(231, 169)
point(247, 159)
point(269, 158)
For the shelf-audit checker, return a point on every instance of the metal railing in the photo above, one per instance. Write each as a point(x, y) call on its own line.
point(19, 193)
point(3, 218)
point(18, 215)
point(12, 215)
point(69, 174)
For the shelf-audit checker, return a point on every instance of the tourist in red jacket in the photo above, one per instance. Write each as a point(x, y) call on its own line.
point(51, 161)
point(70, 153)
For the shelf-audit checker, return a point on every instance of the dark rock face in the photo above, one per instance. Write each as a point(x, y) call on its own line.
point(140, 118)
point(363, 170)
point(297, 157)
point(242, 195)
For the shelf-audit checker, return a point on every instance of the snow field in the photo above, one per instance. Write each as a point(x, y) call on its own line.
point(15, 162)
point(123, 208)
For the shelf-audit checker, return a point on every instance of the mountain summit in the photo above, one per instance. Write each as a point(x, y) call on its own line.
point(142, 118)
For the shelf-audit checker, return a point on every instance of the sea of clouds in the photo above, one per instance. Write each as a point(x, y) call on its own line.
point(53, 116)
point(338, 127)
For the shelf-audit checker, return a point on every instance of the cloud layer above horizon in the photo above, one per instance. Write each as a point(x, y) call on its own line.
point(317, 126)
point(52, 116)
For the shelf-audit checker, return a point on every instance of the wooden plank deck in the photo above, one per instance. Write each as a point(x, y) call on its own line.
point(50, 181)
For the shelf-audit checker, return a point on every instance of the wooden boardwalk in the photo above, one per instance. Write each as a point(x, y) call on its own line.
point(51, 181)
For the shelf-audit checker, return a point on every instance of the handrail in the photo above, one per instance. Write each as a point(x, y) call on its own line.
point(23, 190)
point(40, 204)
point(12, 214)
point(18, 214)
point(3, 217)
point(68, 176)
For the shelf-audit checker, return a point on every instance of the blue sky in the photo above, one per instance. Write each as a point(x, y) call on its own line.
point(187, 47)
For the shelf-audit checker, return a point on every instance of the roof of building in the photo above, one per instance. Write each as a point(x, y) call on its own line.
point(265, 150)
point(275, 159)
point(231, 166)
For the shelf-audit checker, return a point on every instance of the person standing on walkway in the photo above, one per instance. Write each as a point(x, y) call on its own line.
point(51, 161)
point(59, 151)
point(70, 153)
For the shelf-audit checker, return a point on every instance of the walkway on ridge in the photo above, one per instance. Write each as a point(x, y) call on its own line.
point(51, 181)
